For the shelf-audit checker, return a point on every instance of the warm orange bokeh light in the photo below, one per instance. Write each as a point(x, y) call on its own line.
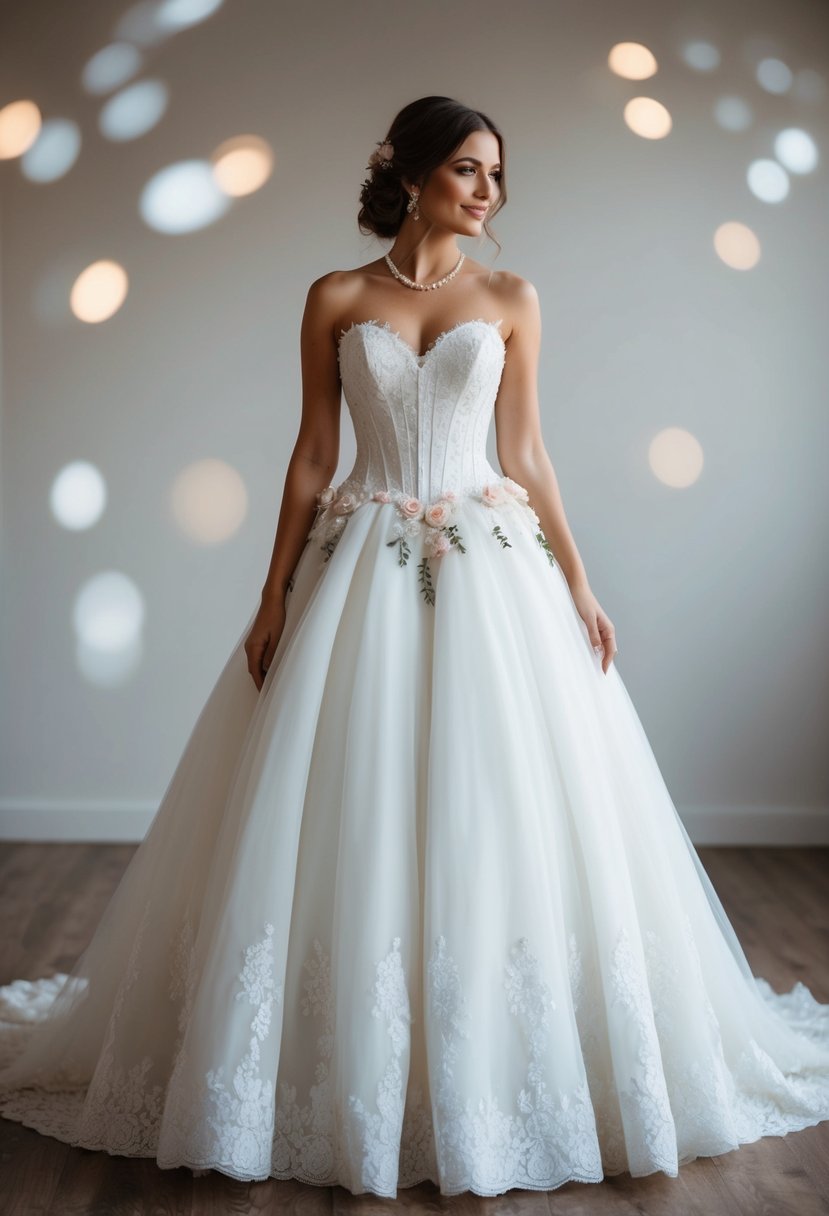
point(99, 291)
point(632, 60)
point(20, 124)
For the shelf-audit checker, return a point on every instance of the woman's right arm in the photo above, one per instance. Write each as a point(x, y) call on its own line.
point(312, 464)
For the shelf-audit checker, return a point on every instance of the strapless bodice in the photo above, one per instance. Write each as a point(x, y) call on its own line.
point(420, 421)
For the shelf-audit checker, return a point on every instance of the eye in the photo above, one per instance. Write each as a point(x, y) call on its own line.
point(496, 174)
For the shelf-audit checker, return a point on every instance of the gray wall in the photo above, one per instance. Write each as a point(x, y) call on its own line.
point(718, 591)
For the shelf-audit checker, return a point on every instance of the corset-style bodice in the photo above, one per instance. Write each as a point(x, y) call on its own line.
point(421, 421)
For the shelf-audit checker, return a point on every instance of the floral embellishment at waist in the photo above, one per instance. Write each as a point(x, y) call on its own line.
point(435, 522)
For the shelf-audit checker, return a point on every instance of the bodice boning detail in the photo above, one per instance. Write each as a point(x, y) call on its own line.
point(421, 421)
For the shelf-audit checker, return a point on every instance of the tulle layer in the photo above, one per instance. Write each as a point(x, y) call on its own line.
point(422, 909)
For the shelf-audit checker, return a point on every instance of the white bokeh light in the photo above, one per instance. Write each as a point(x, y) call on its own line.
point(78, 495)
point(733, 113)
point(768, 181)
point(774, 76)
point(701, 56)
point(796, 150)
point(109, 613)
point(54, 152)
point(183, 198)
point(110, 67)
point(139, 24)
point(109, 668)
point(675, 457)
point(179, 14)
point(134, 111)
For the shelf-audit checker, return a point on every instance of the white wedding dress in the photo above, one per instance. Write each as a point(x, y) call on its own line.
point(422, 908)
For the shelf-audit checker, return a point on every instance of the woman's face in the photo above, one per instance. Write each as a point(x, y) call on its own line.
point(460, 192)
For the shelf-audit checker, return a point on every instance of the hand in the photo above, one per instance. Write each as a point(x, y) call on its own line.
point(263, 639)
point(599, 625)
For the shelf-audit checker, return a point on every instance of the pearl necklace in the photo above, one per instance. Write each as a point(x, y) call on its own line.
point(423, 286)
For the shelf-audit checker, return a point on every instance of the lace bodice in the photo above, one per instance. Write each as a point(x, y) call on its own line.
point(421, 421)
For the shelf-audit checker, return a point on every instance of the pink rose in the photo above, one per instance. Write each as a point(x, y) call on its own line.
point(381, 496)
point(412, 508)
point(326, 496)
point(441, 544)
point(438, 514)
point(493, 494)
point(450, 494)
point(512, 487)
point(344, 504)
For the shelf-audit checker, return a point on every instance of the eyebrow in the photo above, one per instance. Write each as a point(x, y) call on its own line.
point(475, 161)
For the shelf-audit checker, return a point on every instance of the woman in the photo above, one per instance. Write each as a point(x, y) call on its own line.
point(416, 903)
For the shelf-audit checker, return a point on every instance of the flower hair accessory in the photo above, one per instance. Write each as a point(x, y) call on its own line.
point(381, 157)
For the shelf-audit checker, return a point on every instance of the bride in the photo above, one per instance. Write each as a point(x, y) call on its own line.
point(416, 904)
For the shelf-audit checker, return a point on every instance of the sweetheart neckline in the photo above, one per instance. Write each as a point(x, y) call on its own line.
point(419, 359)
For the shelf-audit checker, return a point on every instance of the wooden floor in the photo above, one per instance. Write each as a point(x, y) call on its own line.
point(51, 897)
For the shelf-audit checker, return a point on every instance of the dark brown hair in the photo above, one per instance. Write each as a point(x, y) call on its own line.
point(424, 134)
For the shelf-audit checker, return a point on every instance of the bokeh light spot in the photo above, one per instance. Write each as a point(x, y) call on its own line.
point(647, 117)
point(183, 198)
point(54, 152)
point(209, 501)
point(768, 181)
point(796, 150)
point(675, 457)
point(78, 495)
point(737, 245)
point(134, 111)
point(242, 165)
point(110, 67)
point(99, 291)
point(20, 123)
point(632, 60)
point(109, 612)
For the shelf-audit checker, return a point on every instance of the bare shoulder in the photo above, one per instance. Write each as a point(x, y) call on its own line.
point(516, 292)
point(329, 289)
point(515, 297)
point(332, 295)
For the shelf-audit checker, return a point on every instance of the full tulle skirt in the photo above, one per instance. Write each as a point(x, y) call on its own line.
point(421, 909)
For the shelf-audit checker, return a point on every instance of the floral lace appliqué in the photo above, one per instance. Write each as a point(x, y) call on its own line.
point(658, 1086)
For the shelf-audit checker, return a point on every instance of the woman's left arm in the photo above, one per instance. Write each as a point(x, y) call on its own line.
point(523, 457)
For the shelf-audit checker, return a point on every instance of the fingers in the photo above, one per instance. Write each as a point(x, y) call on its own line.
point(603, 639)
point(608, 643)
point(268, 659)
point(594, 634)
point(255, 652)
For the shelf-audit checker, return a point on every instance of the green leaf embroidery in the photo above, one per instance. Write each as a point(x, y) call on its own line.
point(454, 536)
point(496, 531)
point(426, 588)
point(545, 545)
point(405, 551)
